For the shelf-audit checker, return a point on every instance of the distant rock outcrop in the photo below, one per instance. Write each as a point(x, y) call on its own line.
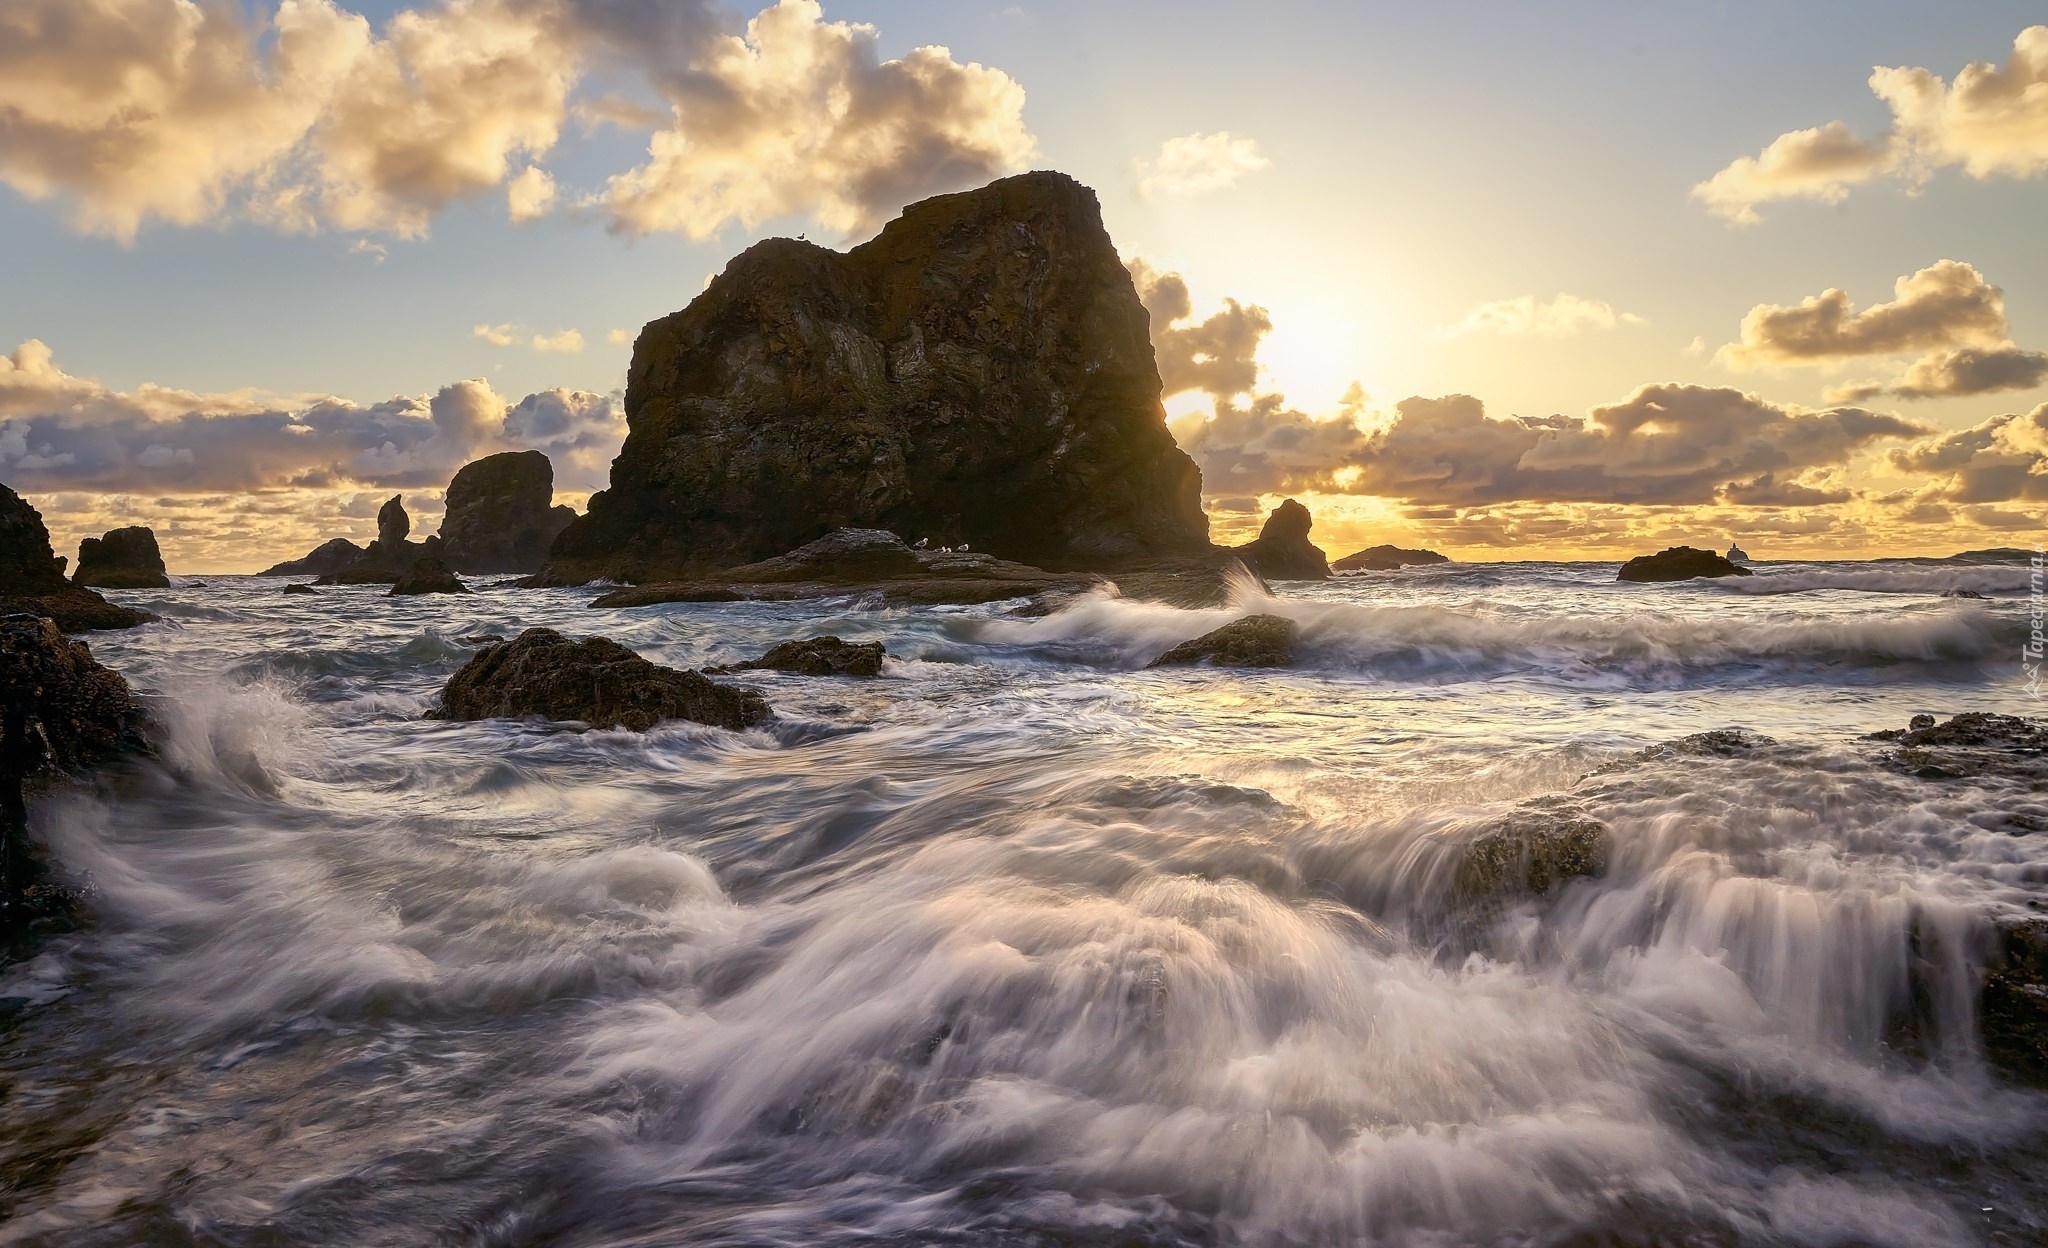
point(500, 516)
point(1679, 563)
point(329, 556)
point(32, 576)
point(123, 559)
point(427, 575)
point(1385, 559)
point(594, 680)
point(387, 558)
point(1254, 641)
point(980, 372)
point(818, 656)
point(1282, 551)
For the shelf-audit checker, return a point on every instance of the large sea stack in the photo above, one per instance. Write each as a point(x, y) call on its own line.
point(32, 576)
point(1282, 551)
point(981, 372)
point(123, 559)
point(500, 517)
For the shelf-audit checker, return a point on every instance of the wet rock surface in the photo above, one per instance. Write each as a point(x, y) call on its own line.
point(1254, 641)
point(981, 372)
point(1969, 745)
point(1282, 551)
point(818, 656)
point(1679, 563)
point(122, 559)
point(32, 578)
point(500, 515)
point(427, 575)
point(592, 680)
point(1532, 851)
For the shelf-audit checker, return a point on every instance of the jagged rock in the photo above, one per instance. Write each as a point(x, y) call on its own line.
point(387, 558)
point(59, 711)
point(1679, 563)
point(328, 557)
point(427, 575)
point(981, 371)
point(1385, 559)
point(1282, 551)
point(32, 576)
point(1972, 744)
point(594, 680)
point(1254, 641)
point(299, 589)
point(499, 517)
point(123, 559)
point(818, 656)
point(1531, 851)
point(392, 523)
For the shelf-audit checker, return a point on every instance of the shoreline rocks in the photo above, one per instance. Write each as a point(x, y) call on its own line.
point(591, 680)
point(1679, 563)
point(1254, 641)
point(981, 372)
point(32, 577)
point(817, 656)
point(1386, 559)
point(500, 516)
point(427, 575)
point(122, 559)
point(1282, 551)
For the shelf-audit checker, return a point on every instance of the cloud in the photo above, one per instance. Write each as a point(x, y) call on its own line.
point(377, 252)
point(1947, 304)
point(1992, 121)
point(60, 432)
point(620, 337)
point(1958, 373)
point(193, 112)
point(1196, 163)
point(1217, 355)
point(1263, 446)
point(1560, 317)
point(2003, 459)
point(509, 335)
point(567, 340)
point(801, 115)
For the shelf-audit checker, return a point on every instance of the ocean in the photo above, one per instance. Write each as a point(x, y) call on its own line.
point(1022, 943)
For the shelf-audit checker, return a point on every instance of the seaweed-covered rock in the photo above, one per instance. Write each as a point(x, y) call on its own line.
point(500, 516)
point(591, 679)
point(980, 372)
point(427, 575)
point(1385, 559)
point(32, 576)
point(1679, 563)
point(1282, 551)
point(1254, 641)
point(123, 559)
point(819, 656)
point(1531, 851)
point(328, 557)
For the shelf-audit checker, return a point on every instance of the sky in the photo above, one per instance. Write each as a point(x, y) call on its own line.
point(1507, 280)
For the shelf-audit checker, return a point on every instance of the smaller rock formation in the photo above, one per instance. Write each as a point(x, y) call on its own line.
point(594, 680)
point(427, 575)
point(1282, 551)
point(2012, 1010)
point(1962, 593)
point(499, 517)
point(32, 576)
point(1385, 559)
point(123, 559)
point(818, 656)
point(1531, 851)
point(1972, 744)
point(329, 556)
point(1254, 641)
point(59, 711)
point(300, 589)
point(387, 558)
point(1679, 563)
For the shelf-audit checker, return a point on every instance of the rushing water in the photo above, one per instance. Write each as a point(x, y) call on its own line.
point(1021, 943)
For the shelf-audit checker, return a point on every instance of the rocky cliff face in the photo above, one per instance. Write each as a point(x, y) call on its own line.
point(123, 559)
point(981, 372)
point(32, 576)
point(499, 516)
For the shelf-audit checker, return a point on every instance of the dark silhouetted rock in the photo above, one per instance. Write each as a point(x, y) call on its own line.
point(387, 558)
point(1973, 744)
point(300, 589)
point(59, 711)
point(427, 575)
point(1962, 593)
point(1530, 852)
point(32, 576)
point(392, 523)
point(980, 372)
point(819, 656)
point(500, 516)
point(1385, 559)
point(2012, 1008)
point(594, 680)
point(1254, 641)
point(123, 559)
point(328, 557)
point(1282, 551)
point(1679, 563)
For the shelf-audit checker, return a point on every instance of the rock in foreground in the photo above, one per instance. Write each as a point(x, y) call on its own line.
point(32, 576)
point(1254, 641)
point(500, 516)
point(1282, 551)
point(1385, 559)
point(123, 559)
point(1532, 851)
point(594, 680)
point(427, 575)
point(819, 656)
point(980, 372)
point(1975, 743)
point(1679, 563)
